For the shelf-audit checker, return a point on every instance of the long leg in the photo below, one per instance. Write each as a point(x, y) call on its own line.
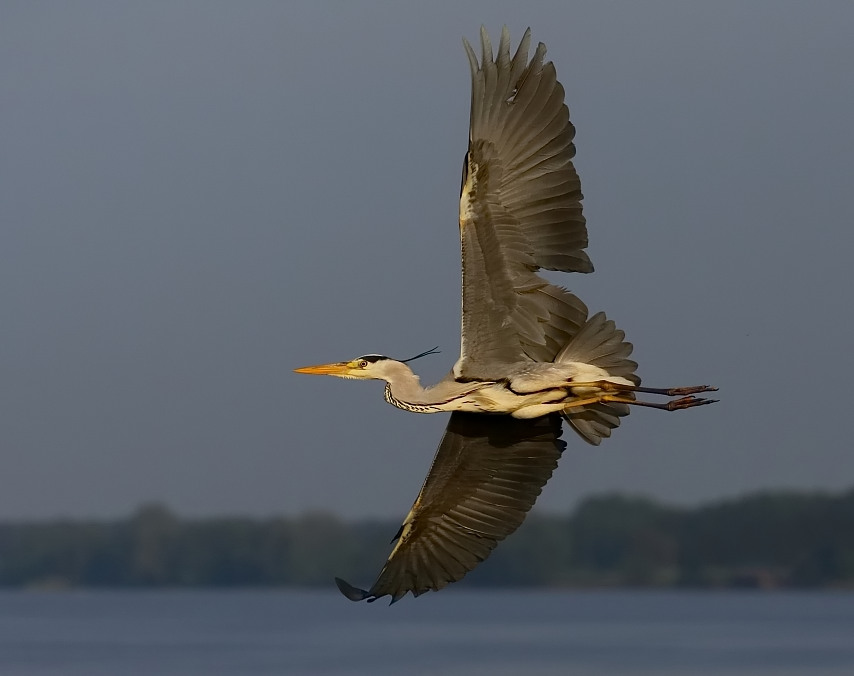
point(675, 405)
point(608, 386)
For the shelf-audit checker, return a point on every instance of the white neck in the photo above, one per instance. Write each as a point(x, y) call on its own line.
point(403, 384)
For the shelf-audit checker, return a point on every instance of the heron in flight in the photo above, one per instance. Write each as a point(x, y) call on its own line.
point(530, 354)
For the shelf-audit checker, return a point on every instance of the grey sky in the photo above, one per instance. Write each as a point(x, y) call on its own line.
point(197, 197)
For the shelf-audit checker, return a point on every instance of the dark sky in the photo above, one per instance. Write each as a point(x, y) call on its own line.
point(197, 197)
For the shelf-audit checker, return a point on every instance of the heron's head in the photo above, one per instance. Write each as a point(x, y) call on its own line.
point(366, 367)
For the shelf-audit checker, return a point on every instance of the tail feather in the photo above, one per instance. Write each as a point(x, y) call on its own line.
point(602, 344)
point(594, 422)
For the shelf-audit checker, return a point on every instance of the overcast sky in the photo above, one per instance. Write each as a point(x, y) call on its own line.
point(197, 197)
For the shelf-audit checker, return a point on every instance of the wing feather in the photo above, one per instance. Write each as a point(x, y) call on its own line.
point(520, 211)
point(600, 343)
point(486, 476)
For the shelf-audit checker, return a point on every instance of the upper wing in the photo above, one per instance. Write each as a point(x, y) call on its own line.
point(485, 477)
point(520, 210)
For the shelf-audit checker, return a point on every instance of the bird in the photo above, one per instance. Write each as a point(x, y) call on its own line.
point(531, 355)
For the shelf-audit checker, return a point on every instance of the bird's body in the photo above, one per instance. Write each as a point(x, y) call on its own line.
point(530, 353)
point(533, 392)
point(528, 389)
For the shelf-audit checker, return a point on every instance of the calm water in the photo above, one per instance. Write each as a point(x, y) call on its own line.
point(452, 633)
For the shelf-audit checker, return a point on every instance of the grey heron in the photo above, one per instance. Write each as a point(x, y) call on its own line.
point(530, 354)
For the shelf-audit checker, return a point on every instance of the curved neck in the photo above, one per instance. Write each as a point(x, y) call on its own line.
point(403, 389)
point(403, 385)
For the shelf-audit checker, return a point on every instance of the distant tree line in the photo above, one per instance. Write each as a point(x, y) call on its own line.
point(765, 540)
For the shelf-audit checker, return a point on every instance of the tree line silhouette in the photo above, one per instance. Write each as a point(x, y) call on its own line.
point(780, 539)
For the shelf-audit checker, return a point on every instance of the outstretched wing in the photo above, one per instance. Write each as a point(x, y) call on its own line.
point(485, 477)
point(520, 211)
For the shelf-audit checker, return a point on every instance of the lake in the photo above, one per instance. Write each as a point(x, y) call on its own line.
point(455, 632)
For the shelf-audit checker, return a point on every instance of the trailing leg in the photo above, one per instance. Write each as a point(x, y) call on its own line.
point(604, 398)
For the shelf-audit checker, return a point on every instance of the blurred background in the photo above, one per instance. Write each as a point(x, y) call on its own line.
point(198, 197)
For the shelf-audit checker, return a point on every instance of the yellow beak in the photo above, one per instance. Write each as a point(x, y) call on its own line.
point(336, 369)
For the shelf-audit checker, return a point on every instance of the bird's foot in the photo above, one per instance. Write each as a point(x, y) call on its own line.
point(688, 402)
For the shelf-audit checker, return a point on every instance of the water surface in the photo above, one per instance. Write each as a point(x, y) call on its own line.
point(496, 633)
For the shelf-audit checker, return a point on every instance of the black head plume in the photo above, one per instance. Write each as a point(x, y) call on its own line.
point(373, 358)
point(434, 350)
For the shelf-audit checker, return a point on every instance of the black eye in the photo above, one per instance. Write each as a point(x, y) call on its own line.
point(363, 364)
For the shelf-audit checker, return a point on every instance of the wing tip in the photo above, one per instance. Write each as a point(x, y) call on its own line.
point(351, 592)
point(356, 594)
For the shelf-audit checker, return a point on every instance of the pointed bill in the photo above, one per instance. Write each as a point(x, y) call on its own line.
point(335, 369)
